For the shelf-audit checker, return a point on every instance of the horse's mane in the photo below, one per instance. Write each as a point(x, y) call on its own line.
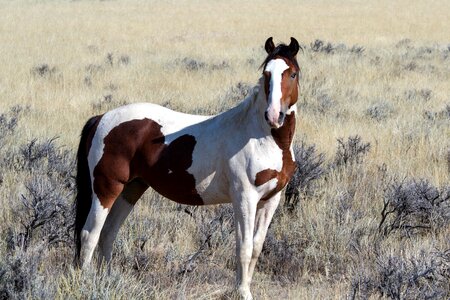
point(282, 50)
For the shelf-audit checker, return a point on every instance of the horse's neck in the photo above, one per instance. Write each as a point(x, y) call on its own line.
point(247, 118)
point(250, 112)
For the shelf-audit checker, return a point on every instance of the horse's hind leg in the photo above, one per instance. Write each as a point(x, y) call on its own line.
point(119, 212)
point(97, 215)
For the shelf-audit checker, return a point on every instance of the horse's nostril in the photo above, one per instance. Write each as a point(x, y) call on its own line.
point(266, 116)
point(281, 118)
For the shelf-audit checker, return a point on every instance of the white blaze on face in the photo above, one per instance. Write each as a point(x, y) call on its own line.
point(275, 67)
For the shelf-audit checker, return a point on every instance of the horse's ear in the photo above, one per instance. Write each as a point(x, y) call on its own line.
point(269, 46)
point(294, 46)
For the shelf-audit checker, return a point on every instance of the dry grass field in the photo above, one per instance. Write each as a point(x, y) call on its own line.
point(368, 214)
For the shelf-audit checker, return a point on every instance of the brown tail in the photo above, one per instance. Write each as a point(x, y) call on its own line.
point(84, 191)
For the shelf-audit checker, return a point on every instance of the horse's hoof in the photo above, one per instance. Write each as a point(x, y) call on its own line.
point(245, 294)
point(236, 294)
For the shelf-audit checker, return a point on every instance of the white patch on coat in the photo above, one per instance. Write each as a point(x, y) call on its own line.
point(292, 109)
point(91, 230)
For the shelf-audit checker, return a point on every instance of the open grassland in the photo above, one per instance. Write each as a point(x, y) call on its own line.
point(368, 214)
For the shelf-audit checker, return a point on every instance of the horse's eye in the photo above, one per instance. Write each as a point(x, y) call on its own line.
point(293, 75)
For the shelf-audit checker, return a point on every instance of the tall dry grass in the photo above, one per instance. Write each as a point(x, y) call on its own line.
point(379, 71)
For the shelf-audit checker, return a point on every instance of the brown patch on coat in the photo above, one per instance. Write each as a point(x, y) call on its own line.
point(289, 85)
point(136, 149)
point(264, 176)
point(283, 137)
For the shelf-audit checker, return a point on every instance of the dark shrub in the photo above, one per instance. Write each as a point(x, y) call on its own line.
point(21, 277)
point(48, 158)
point(448, 160)
point(237, 93)
point(379, 111)
point(321, 46)
point(215, 231)
point(309, 168)
point(45, 206)
point(220, 66)
point(44, 71)
point(415, 206)
point(124, 60)
point(110, 59)
point(9, 121)
point(282, 258)
point(191, 64)
point(440, 115)
point(325, 103)
point(418, 95)
point(329, 48)
point(46, 210)
point(424, 276)
point(107, 102)
point(8, 125)
point(351, 151)
point(94, 69)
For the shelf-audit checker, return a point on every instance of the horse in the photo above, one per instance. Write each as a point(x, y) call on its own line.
point(242, 156)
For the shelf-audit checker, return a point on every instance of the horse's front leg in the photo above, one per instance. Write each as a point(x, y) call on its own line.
point(244, 205)
point(264, 214)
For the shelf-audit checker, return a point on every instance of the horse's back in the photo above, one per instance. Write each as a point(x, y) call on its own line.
point(150, 142)
point(123, 121)
point(161, 115)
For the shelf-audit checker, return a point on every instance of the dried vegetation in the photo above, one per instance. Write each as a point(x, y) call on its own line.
point(367, 214)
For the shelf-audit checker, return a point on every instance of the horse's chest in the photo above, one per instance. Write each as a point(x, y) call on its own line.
point(283, 156)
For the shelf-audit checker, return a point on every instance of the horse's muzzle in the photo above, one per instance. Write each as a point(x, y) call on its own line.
point(276, 124)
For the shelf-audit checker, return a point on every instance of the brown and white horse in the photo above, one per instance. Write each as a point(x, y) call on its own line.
point(242, 156)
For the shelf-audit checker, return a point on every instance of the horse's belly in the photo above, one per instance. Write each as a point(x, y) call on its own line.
point(212, 189)
point(183, 188)
point(176, 192)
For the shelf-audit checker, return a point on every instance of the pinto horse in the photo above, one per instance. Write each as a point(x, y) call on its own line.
point(242, 156)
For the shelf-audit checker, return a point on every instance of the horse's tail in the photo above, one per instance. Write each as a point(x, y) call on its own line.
point(83, 200)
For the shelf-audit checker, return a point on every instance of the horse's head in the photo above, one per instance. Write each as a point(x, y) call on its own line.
point(280, 70)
